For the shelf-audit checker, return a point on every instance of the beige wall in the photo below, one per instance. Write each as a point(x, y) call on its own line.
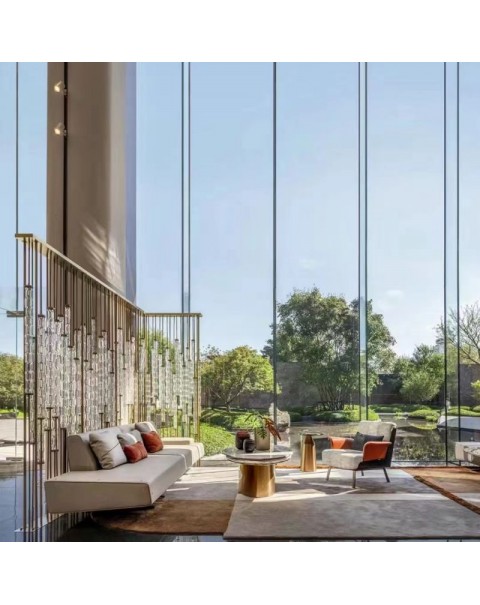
point(100, 170)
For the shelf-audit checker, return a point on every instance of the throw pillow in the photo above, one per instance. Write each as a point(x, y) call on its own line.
point(107, 449)
point(127, 439)
point(152, 441)
point(135, 452)
point(361, 439)
point(145, 427)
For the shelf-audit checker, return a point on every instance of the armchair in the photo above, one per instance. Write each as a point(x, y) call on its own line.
point(375, 454)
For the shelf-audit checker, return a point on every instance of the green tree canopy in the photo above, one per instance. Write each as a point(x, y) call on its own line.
point(421, 375)
point(322, 334)
point(11, 381)
point(462, 330)
point(226, 375)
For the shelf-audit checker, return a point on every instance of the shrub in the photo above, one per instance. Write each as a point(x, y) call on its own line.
point(352, 413)
point(295, 416)
point(425, 413)
point(215, 439)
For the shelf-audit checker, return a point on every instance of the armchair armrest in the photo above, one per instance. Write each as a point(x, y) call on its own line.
point(341, 443)
point(375, 450)
point(177, 440)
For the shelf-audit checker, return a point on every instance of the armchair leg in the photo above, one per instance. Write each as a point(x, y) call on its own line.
point(354, 479)
point(386, 476)
point(363, 474)
point(328, 472)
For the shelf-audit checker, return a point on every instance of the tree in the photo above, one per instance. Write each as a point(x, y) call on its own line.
point(226, 375)
point(11, 380)
point(322, 334)
point(421, 375)
point(462, 331)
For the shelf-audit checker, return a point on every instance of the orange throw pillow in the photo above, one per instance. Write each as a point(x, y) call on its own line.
point(152, 441)
point(135, 452)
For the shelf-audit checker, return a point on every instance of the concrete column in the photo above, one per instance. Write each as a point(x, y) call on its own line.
point(91, 175)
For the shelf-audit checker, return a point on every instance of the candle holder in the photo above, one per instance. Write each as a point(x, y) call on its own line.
point(249, 445)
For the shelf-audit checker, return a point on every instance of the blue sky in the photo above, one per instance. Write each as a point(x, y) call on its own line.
point(317, 189)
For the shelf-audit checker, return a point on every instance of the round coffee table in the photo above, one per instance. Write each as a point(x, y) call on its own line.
point(257, 470)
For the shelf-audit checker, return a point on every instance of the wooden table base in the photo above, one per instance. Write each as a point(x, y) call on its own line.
point(256, 481)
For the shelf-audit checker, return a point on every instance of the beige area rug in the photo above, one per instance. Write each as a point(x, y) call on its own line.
point(200, 503)
point(307, 507)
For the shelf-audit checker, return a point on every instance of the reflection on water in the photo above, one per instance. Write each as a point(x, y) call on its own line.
point(417, 441)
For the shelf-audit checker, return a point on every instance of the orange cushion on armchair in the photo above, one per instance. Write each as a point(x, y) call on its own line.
point(340, 443)
point(375, 450)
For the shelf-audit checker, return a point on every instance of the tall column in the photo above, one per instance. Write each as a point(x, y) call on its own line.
point(91, 172)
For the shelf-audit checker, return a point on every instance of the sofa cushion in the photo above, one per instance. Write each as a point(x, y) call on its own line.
point(145, 427)
point(152, 442)
point(128, 439)
point(125, 486)
point(107, 449)
point(80, 454)
point(135, 452)
point(192, 453)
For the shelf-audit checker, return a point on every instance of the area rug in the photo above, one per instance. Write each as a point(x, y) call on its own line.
point(307, 507)
point(200, 503)
point(179, 517)
point(460, 484)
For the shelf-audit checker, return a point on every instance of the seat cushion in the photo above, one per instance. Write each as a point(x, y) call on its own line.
point(190, 453)
point(345, 459)
point(126, 486)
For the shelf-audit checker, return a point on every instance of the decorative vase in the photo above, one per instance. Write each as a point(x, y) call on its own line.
point(248, 446)
point(240, 437)
point(262, 441)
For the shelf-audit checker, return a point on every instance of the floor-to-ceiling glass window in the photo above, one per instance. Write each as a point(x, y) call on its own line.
point(159, 218)
point(231, 241)
point(23, 112)
point(464, 422)
point(405, 250)
point(318, 247)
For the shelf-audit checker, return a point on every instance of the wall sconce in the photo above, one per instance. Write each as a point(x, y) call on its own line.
point(60, 87)
point(60, 129)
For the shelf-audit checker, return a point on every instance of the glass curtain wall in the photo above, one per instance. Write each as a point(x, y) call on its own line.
point(368, 244)
point(23, 148)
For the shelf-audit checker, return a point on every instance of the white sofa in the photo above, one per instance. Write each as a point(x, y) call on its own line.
point(468, 451)
point(87, 487)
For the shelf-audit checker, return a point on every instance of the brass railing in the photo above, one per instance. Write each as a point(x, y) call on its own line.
point(93, 359)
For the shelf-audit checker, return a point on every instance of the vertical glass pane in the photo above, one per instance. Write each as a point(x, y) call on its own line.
point(29, 215)
point(469, 216)
point(231, 254)
point(405, 252)
point(317, 250)
point(159, 226)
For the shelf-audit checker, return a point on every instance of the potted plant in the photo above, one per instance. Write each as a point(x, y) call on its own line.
point(264, 427)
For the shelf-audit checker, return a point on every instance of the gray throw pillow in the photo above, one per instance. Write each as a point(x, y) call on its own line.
point(127, 439)
point(107, 449)
point(361, 439)
point(145, 427)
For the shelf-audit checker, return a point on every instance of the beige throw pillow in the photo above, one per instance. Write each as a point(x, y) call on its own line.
point(145, 427)
point(107, 449)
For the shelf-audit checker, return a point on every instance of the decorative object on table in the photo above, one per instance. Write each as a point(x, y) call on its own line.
point(248, 446)
point(309, 453)
point(240, 437)
point(264, 427)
